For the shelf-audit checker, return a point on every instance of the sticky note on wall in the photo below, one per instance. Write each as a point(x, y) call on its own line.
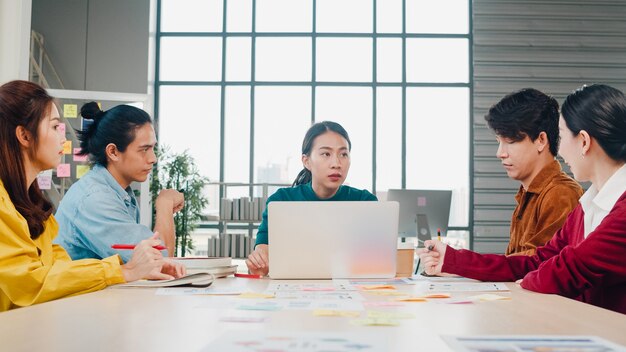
point(44, 179)
point(70, 111)
point(79, 157)
point(63, 170)
point(81, 170)
point(67, 147)
point(62, 128)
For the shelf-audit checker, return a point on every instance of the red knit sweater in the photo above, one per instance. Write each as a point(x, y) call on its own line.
point(591, 270)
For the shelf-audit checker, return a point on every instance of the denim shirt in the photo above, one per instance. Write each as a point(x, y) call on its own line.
point(95, 213)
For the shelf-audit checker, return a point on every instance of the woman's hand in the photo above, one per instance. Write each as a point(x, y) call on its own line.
point(147, 262)
point(432, 256)
point(258, 260)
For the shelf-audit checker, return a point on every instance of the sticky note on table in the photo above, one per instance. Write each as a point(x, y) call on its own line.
point(412, 299)
point(335, 313)
point(255, 295)
point(377, 287)
point(437, 295)
point(70, 111)
point(375, 322)
point(63, 170)
point(79, 157)
point(81, 170)
point(387, 293)
point(489, 297)
point(389, 315)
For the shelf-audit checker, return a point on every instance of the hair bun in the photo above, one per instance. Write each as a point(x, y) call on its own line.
point(91, 111)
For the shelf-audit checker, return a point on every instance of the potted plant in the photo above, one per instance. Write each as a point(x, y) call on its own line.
point(179, 171)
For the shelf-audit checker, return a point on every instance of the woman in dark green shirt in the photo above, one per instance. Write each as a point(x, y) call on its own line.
point(326, 159)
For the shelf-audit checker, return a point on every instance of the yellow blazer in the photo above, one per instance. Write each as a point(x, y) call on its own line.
point(35, 271)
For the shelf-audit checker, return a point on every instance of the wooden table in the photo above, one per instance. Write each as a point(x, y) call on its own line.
point(139, 320)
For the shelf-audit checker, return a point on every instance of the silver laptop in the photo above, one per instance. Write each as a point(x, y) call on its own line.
point(332, 240)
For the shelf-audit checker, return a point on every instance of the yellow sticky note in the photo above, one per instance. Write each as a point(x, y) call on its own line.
point(100, 105)
point(81, 170)
point(255, 295)
point(412, 299)
point(489, 297)
point(375, 322)
point(377, 287)
point(67, 147)
point(335, 313)
point(389, 315)
point(70, 111)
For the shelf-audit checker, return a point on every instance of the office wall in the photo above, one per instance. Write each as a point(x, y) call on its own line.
point(14, 39)
point(552, 45)
point(97, 45)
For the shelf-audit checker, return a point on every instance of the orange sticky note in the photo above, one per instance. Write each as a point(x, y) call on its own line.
point(412, 299)
point(67, 147)
point(377, 287)
point(437, 295)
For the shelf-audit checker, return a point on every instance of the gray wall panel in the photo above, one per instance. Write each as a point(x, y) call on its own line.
point(554, 46)
point(96, 44)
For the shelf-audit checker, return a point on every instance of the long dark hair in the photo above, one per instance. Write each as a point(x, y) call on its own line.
point(23, 104)
point(307, 144)
point(601, 111)
point(117, 125)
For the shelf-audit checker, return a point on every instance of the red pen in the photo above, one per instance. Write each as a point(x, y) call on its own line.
point(247, 276)
point(132, 246)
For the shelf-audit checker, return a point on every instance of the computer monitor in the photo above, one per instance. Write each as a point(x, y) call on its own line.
point(426, 210)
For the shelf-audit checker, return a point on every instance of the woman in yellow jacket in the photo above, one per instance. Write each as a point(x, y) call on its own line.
point(32, 269)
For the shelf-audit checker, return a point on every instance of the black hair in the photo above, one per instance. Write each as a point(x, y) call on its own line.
point(117, 125)
point(307, 144)
point(600, 110)
point(527, 112)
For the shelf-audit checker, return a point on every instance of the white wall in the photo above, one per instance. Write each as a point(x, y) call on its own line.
point(14, 39)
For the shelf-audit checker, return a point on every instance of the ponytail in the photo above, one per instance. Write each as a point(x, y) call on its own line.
point(303, 177)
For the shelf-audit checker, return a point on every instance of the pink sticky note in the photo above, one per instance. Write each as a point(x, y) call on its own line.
point(62, 127)
point(421, 201)
point(63, 170)
point(79, 157)
point(44, 181)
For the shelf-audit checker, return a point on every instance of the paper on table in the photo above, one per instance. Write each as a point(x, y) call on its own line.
point(267, 340)
point(320, 295)
point(337, 285)
point(503, 343)
point(194, 280)
point(466, 286)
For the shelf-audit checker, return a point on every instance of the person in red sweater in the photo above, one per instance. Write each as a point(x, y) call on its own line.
point(586, 258)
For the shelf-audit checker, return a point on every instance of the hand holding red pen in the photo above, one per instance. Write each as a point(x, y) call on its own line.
point(148, 263)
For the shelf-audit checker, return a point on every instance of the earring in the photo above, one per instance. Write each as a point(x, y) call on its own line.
point(583, 154)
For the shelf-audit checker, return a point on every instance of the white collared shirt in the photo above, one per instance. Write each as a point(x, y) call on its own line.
point(598, 204)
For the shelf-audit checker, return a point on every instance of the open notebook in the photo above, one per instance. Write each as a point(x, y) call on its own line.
point(191, 280)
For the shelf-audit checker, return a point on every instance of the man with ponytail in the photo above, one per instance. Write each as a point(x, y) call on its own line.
point(32, 268)
point(100, 209)
point(326, 159)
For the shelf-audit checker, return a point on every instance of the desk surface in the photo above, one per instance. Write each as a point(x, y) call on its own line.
point(139, 320)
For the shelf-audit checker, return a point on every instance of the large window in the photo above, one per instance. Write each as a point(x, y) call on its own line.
point(240, 81)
